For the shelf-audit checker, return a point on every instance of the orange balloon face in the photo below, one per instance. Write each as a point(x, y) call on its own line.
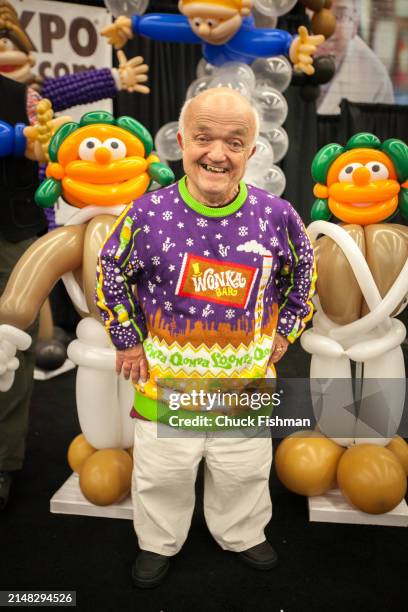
point(363, 187)
point(103, 165)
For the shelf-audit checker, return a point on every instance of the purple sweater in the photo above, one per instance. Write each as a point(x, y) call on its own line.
point(206, 288)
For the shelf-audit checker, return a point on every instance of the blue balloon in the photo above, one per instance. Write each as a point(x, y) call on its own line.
point(6, 139)
point(245, 46)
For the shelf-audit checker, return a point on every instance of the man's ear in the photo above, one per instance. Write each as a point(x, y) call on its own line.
point(180, 141)
point(252, 152)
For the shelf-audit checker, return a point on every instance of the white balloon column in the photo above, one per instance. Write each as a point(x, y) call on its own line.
point(126, 7)
point(263, 84)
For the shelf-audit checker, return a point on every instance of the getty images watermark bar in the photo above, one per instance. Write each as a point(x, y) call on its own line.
point(338, 408)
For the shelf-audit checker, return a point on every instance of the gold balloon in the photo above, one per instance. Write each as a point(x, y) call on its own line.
point(371, 478)
point(324, 22)
point(306, 462)
point(399, 447)
point(78, 452)
point(105, 477)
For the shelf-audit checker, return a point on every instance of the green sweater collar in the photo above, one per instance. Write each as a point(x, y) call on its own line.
point(209, 211)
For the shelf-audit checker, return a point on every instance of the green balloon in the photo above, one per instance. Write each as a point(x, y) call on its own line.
point(397, 150)
point(161, 173)
point(48, 193)
point(97, 117)
point(364, 140)
point(320, 211)
point(324, 159)
point(403, 202)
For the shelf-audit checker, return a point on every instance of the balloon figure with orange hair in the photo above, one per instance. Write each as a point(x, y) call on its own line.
point(362, 268)
point(226, 30)
point(97, 167)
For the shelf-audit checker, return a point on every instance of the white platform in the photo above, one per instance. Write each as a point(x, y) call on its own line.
point(69, 500)
point(47, 374)
point(334, 508)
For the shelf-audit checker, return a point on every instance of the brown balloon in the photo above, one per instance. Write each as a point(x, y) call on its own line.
point(105, 477)
point(306, 462)
point(371, 478)
point(399, 447)
point(324, 22)
point(36, 273)
point(313, 5)
point(78, 452)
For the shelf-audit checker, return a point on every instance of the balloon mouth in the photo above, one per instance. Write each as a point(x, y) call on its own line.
point(81, 193)
point(363, 213)
point(113, 173)
point(10, 67)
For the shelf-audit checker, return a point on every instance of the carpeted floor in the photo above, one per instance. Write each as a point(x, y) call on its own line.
point(323, 567)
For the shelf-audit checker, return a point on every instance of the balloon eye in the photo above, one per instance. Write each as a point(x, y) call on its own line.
point(346, 175)
point(212, 22)
point(87, 148)
point(378, 171)
point(197, 22)
point(116, 147)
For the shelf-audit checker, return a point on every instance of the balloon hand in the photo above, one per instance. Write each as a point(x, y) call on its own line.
point(38, 136)
point(119, 32)
point(303, 48)
point(132, 72)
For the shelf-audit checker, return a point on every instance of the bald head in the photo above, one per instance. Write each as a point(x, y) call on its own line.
point(222, 104)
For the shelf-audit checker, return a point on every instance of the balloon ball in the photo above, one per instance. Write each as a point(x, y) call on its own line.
point(324, 22)
point(274, 8)
point(61, 335)
point(325, 67)
point(78, 452)
point(275, 72)
point(399, 447)
point(371, 478)
point(49, 354)
point(306, 462)
point(126, 7)
point(105, 477)
point(166, 143)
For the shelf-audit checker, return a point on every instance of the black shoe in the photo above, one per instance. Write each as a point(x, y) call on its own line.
point(262, 556)
point(5, 484)
point(149, 569)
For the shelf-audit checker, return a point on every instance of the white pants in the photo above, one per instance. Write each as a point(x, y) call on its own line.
point(237, 503)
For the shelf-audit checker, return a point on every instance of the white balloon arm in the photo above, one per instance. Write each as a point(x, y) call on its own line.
point(369, 349)
point(316, 344)
point(354, 256)
point(374, 318)
point(92, 357)
point(75, 292)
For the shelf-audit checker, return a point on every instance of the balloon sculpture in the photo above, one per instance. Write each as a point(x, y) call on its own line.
point(97, 166)
point(16, 62)
point(362, 284)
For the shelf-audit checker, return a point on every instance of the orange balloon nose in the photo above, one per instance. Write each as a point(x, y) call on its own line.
point(361, 176)
point(102, 155)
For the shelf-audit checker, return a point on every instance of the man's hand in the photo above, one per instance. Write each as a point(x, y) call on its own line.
point(280, 346)
point(134, 364)
point(132, 72)
point(119, 32)
point(302, 49)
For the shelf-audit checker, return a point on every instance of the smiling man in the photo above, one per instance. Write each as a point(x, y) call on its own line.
point(224, 277)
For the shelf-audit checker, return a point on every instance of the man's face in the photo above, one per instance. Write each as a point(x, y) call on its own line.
point(213, 24)
point(347, 21)
point(217, 143)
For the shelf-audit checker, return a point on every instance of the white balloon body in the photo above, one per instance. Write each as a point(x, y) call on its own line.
point(373, 341)
point(274, 8)
point(104, 399)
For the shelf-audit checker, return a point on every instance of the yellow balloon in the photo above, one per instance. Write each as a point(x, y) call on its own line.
point(306, 462)
point(399, 447)
point(371, 478)
point(105, 477)
point(78, 452)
